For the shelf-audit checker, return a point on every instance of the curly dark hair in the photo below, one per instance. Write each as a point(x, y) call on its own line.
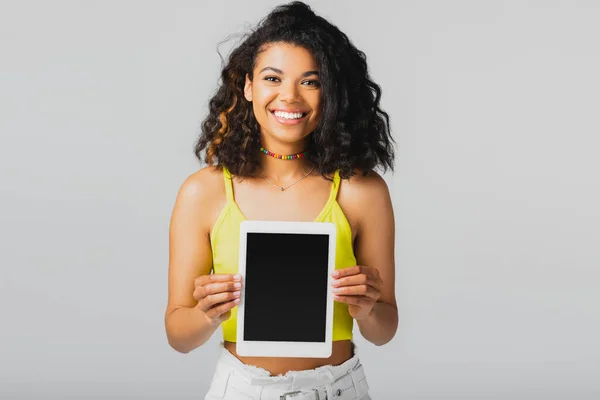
point(353, 132)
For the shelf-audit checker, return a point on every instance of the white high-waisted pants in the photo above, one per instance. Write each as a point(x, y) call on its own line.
point(234, 380)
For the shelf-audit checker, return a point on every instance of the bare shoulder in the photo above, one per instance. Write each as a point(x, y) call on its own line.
point(364, 197)
point(364, 185)
point(362, 190)
point(203, 191)
point(205, 178)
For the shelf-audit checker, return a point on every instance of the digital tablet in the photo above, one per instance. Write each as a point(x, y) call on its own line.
point(286, 302)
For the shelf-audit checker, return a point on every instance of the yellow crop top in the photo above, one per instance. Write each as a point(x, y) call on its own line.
point(225, 240)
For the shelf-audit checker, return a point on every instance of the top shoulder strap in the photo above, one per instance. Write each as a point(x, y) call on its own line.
point(336, 185)
point(228, 184)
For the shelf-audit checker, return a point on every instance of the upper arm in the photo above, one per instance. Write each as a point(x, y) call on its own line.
point(375, 239)
point(190, 253)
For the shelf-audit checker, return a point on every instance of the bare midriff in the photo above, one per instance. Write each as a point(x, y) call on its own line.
point(341, 352)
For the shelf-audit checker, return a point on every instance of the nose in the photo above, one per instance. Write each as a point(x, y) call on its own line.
point(288, 92)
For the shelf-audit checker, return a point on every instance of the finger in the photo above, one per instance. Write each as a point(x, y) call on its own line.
point(201, 291)
point(354, 300)
point(360, 279)
point(212, 278)
point(225, 316)
point(214, 288)
point(218, 311)
point(340, 273)
point(358, 290)
point(215, 299)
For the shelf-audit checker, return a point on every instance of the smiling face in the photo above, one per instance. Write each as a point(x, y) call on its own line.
point(286, 96)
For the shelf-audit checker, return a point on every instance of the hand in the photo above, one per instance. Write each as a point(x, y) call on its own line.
point(359, 287)
point(217, 294)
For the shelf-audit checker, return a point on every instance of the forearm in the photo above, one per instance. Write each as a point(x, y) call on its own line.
point(381, 324)
point(188, 328)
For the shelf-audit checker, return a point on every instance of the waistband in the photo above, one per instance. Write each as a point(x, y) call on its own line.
point(343, 382)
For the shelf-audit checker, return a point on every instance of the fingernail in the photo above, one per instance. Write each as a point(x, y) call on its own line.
point(236, 301)
point(236, 294)
point(336, 290)
point(237, 277)
point(237, 285)
point(335, 273)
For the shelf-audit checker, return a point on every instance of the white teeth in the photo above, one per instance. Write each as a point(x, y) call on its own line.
point(282, 114)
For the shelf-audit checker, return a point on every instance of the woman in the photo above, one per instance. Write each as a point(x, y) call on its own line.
point(293, 133)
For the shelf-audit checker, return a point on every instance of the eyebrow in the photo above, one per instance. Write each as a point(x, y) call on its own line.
point(304, 75)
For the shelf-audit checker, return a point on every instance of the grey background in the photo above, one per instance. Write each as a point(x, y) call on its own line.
point(494, 106)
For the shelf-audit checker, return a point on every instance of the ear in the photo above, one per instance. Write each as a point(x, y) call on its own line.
point(248, 89)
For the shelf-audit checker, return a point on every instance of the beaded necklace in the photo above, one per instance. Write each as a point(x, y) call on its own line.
point(279, 156)
point(290, 157)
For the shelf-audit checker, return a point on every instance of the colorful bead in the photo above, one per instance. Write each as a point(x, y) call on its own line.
point(282, 157)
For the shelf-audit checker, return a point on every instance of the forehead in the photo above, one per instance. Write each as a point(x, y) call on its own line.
point(286, 57)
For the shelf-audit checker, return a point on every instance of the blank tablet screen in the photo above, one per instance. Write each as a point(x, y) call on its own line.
point(286, 287)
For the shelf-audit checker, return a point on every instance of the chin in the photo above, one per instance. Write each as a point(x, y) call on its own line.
point(287, 136)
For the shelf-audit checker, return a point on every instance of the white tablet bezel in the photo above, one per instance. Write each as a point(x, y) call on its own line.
point(285, 349)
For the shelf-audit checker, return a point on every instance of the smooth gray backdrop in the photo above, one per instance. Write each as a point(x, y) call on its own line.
point(494, 105)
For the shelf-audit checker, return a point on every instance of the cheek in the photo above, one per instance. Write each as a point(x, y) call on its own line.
point(316, 104)
point(258, 110)
point(263, 95)
point(317, 111)
point(259, 107)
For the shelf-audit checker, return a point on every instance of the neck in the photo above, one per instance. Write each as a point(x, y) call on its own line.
point(284, 170)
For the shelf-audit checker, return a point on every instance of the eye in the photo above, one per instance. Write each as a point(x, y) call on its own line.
point(269, 78)
point(313, 83)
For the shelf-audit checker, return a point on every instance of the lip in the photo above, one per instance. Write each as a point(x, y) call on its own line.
point(284, 121)
point(289, 110)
